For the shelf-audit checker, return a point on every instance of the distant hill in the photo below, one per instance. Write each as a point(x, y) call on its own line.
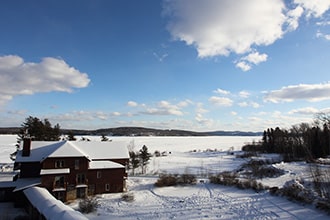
point(141, 131)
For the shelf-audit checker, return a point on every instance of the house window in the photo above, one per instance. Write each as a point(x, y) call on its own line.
point(59, 163)
point(81, 179)
point(76, 164)
point(81, 192)
point(91, 189)
point(98, 174)
point(107, 187)
point(59, 182)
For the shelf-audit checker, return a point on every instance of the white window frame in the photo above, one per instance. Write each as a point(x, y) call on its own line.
point(98, 174)
point(107, 187)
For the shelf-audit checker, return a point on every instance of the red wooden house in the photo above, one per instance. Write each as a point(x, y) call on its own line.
point(71, 170)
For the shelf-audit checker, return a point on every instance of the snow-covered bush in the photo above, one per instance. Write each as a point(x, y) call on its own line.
point(225, 178)
point(261, 169)
point(87, 205)
point(294, 189)
point(127, 197)
point(173, 180)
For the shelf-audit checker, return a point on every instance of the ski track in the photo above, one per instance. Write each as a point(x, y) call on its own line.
point(207, 202)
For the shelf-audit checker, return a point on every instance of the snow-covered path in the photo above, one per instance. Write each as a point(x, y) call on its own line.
point(201, 201)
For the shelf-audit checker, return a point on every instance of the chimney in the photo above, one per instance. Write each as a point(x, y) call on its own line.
point(26, 146)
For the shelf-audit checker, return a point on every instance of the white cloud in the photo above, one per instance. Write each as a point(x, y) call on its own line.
point(243, 66)
point(324, 36)
point(255, 58)
point(160, 57)
point(314, 8)
point(132, 104)
point(200, 109)
point(305, 111)
point(163, 108)
point(185, 103)
point(244, 94)
point(251, 104)
point(221, 101)
point(309, 92)
point(293, 18)
point(222, 27)
point(51, 74)
point(246, 62)
point(116, 114)
point(221, 92)
point(233, 113)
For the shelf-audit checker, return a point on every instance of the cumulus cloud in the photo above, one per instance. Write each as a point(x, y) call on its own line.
point(243, 66)
point(222, 27)
point(247, 104)
point(305, 111)
point(221, 101)
point(233, 113)
point(132, 104)
point(244, 94)
point(221, 92)
point(163, 108)
point(18, 77)
point(319, 34)
point(255, 58)
point(309, 92)
point(314, 8)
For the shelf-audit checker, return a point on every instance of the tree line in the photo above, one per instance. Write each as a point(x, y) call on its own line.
point(300, 142)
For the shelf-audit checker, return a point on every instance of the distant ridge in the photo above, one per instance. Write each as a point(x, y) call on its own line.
point(141, 131)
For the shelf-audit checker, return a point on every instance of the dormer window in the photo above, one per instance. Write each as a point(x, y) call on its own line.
point(59, 164)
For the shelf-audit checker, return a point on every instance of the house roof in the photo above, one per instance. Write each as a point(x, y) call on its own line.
point(50, 207)
point(40, 150)
point(99, 150)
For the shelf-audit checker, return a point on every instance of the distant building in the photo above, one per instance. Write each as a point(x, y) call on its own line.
point(71, 170)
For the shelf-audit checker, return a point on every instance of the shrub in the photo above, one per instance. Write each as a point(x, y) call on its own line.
point(231, 179)
point(225, 178)
point(127, 197)
point(261, 169)
point(187, 179)
point(295, 190)
point(173, 180)
point(166, 180)
point(87, 205)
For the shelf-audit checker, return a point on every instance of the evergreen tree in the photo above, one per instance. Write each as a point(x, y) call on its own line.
point(39, 130)
point(104, 138)
point(71, 136)
point(144, 158)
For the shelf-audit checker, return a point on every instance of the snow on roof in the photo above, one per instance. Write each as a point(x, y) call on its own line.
point(104, 165)
point(54, 171)
point(23, 183)
point(40, 150)
point(68, 149)
point(95, 150)
point(98, 150)
point(50, 207)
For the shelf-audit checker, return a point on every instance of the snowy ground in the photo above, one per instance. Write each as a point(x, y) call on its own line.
point(202, 201)
point(196, 155)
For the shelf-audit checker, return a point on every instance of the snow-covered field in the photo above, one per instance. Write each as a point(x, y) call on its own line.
point(196, 155)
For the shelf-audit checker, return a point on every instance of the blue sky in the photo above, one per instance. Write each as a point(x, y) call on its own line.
point(188, 64)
